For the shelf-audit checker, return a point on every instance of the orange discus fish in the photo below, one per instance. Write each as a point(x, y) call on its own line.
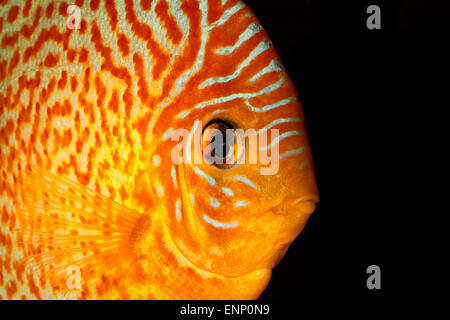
point(105, 107)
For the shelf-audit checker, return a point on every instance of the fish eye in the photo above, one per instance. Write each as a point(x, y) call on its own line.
point(219, 145)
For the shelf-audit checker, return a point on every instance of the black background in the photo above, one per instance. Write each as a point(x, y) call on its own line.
point(361, 89)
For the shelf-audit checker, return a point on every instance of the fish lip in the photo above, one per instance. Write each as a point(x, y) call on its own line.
point(303, 205)
point(310, 197)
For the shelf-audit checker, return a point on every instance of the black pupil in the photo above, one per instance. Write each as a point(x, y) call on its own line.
point(225, 148)
point(220, 151)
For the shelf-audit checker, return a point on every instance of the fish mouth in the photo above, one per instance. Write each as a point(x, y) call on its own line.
point(292, 215)
point(303, 205)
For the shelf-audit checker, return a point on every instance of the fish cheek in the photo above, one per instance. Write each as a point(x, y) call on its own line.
point(202, 243)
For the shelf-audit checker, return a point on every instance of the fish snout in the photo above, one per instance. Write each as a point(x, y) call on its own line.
point(294, 206)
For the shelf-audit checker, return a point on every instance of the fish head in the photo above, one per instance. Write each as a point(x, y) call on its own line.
point(240, 172)
point(242, 215)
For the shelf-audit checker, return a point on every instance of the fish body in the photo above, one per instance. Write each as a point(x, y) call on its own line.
point(94, 202)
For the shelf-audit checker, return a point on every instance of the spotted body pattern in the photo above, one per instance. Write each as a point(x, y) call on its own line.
point(86, 176)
